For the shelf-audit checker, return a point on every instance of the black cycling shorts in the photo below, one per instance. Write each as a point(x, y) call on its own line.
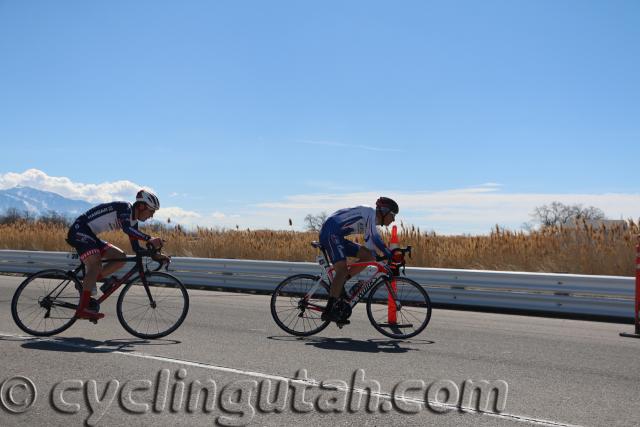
point(85, 242)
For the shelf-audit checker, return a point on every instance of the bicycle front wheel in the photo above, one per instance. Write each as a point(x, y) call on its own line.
point(404, 316)
point(153, 311)
point(45, 303)
point(295, 310)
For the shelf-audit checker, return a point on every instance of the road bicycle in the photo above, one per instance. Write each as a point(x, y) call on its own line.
point(397, 306)
point(151, 305)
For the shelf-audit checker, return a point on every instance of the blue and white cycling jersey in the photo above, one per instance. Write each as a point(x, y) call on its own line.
point(357, 220)
point(113, 216)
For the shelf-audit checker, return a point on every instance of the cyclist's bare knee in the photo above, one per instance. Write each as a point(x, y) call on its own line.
point(116, 259)
point(114, 252)
point(365, 255)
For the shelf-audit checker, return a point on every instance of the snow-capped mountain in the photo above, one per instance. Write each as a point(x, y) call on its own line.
point(38, 202)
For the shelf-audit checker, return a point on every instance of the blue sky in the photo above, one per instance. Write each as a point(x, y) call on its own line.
point(469, 113)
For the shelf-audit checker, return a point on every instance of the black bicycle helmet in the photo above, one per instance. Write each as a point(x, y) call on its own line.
point(385, 205)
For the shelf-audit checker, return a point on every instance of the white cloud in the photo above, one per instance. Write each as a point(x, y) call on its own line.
point(177, 215)
point(192, 219)
point(473, 210)
point(94, 193)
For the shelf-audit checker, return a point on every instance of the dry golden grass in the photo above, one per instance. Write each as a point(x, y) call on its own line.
point(581, 250)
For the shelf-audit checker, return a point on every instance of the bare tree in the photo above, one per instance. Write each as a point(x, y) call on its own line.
point(55, 218)
point(557, 214)
point(13, 215)
point(314, 222)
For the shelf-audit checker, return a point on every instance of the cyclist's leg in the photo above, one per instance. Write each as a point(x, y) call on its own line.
point(337, 284)
point(93, 266)
point(112, 252)
point(336, 246)
point(338, 311)
point(89, 248)
point(340, 272)
point(333, 243)
point(362, 253)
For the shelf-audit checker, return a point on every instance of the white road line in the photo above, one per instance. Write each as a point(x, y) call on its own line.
point(308, 382)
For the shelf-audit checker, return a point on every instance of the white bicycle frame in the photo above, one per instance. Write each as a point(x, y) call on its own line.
point(327, 277)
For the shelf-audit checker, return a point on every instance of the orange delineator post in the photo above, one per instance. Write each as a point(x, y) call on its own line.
point(636, 334)
point(391, 307)
point(638, 289)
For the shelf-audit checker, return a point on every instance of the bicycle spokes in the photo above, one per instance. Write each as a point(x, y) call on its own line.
point(155, 308)
point(297, 304)
point(402, 312)
point(45, 303)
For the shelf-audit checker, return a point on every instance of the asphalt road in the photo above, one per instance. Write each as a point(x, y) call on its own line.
point(558, 372)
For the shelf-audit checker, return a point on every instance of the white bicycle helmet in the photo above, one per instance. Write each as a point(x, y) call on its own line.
point(149, 199)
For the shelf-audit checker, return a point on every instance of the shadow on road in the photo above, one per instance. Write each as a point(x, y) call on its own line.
point(83, 345)
point(349, 344)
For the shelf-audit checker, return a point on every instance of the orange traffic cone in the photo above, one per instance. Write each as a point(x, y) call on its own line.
point(391, 305)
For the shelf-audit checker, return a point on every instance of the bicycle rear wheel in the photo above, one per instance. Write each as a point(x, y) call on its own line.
point(156, 313)
point(412, 312)
point(45, 303)
point(294, 311)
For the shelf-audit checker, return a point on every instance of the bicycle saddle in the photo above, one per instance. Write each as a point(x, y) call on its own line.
point(316, 245)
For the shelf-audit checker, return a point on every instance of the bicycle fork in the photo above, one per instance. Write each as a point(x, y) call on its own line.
point(152, 303)
point(394, 295)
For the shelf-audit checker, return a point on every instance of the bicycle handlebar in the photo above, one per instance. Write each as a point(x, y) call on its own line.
point(153, 252)
point(396, 263)
point(391, 260)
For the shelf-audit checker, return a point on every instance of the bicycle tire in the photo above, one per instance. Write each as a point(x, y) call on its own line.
point(288, 305)
point(415, 306)
point(31, 311)
point(165, 290)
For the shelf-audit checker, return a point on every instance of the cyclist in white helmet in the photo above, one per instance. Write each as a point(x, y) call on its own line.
point(83, 233)
point(357, 220)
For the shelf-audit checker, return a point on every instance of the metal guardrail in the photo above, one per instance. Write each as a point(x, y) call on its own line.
point(600, 296)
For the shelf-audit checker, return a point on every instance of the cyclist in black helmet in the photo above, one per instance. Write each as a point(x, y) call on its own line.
point(91, 249)
point(357, 220)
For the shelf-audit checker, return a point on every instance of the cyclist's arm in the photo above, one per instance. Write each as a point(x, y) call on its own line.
point(132, 230)
point(135, 245)
point(372, 236)
point(135, 234)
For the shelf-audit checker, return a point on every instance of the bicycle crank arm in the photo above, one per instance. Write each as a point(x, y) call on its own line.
point(64, 305)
